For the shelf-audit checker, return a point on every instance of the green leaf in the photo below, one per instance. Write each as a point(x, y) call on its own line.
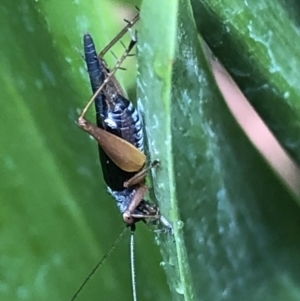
point(255, 40)
point(155, 58)
point(235, 222)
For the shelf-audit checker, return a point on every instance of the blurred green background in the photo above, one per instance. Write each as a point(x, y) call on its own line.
point(57, 219)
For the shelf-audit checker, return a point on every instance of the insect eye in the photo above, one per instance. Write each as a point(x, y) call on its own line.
point(129, 220)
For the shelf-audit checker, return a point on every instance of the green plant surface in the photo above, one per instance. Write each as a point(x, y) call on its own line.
point(154, 83)
point(57, 218)
point(235, 223)
point(257, 43)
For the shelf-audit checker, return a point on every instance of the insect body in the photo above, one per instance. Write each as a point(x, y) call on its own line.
point(114, 113)
point(120, 135)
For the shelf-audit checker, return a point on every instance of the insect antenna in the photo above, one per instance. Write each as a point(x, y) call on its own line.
point(132, 263)
point(109, 76)
point(100, 262)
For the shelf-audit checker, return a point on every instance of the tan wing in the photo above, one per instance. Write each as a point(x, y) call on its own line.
point(122, 153)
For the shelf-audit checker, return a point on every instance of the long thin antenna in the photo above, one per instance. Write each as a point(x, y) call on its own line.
point(104, 257)
point(132, 264)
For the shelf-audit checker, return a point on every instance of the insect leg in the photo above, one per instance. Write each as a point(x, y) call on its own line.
point(129, 25)
point(109, 75)
point(140, 176)
point(136, 200)
point(112, 144)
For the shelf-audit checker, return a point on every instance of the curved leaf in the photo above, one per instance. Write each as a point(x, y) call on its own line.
point(233, 218)
point(255, 41)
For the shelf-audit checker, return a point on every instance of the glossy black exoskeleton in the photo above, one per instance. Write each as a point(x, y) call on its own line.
point(116, 115)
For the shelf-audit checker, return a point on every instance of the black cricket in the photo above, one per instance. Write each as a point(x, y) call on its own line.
point(115, 114)
point(119, 132)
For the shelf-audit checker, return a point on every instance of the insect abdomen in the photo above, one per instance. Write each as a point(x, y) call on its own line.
point(97, 73)
point(127, 122)
point(114, 113)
